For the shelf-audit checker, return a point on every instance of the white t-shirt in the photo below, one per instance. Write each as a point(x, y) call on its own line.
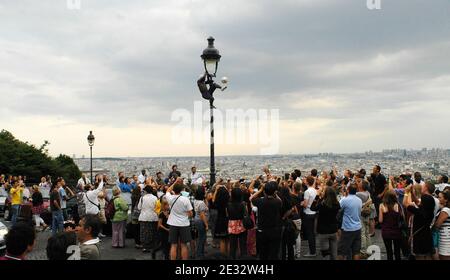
point(147, 206)
point(26, 193)
point(441, 187)
point(179, 205)
point(141, 178)
point(81, 183)
point(310, 195)
point(195, 178)
point(91, 200)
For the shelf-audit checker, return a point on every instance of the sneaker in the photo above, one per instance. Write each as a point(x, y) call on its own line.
point(100, 235)
point(310, 255)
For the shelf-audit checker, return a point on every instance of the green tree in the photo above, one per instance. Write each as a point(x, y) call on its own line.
point(21, 158)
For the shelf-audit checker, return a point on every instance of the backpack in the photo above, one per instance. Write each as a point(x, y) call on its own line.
point(110, 210)
point(81, 204)
point(367, 208)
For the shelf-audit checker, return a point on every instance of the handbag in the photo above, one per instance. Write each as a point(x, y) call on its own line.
point(136, 211)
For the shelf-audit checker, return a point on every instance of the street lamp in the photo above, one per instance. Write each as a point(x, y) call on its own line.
point(91, 140)
point(207, 86)
point(211, 58)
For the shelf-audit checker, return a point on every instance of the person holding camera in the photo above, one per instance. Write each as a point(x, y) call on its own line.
point(423, 211)
point(269, 224)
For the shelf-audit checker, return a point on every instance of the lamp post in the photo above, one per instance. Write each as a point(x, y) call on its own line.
point(91, 140)
point(211, 58)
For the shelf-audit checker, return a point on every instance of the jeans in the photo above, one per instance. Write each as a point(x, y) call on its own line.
point(57, 222)
point(15, 213)
point(390, 254)
point(286, 245)
point(201, 240)
point(118, 233)
point(328, 243)
point(268, 243)
point(234, 240)
point(308, 223)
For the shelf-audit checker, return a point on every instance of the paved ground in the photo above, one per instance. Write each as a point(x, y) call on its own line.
point(130, 253)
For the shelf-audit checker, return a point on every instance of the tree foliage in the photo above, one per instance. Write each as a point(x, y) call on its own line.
point(21, 158)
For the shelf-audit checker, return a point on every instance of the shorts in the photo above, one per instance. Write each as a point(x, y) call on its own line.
point(349, 243)
point(179, 234)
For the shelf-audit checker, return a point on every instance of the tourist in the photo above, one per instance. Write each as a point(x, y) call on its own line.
point(159, 179)
point(180, 211)
point(443, 225)
point(201, 221)
point(20, 240)
point(58, 247)
point(418, 179)
point(135, 226)
point(196, 177)
point(269, 223)
point(251, 233)
point(43, 183)
point(82, 182)
point(423, 211)
point(119, 219)
point(289, 234)
point(101, 213)
point(142, 177)
point(62, 197)
point(309, 216)
point(221, 198)
point(174, 174)
point(148, 221)
point(364, 195)
point(163, 229)
point(442, 183)
point(327, 208)
point(378, 186)
point(297, 196)
point(38, 208)
point(87, 234)
point(390, 214)
point(55, 207)
point(237, 210)
point(350, 235)
point(16, 200)
point(125, 185)
point(212, 215)
point(91, 202)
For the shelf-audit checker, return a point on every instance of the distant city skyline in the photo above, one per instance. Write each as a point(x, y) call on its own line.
point(428, 149)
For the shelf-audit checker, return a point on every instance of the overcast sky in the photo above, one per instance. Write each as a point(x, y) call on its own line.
point(344, 78)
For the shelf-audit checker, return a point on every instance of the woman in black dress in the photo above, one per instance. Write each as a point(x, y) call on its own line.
point(423, 211)
point(220, 199)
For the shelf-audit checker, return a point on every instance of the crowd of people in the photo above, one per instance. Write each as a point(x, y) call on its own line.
point(265, 218)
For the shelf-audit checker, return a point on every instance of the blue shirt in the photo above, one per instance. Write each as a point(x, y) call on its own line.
point(351, 205)
point(125, 187)
point(62, 194)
